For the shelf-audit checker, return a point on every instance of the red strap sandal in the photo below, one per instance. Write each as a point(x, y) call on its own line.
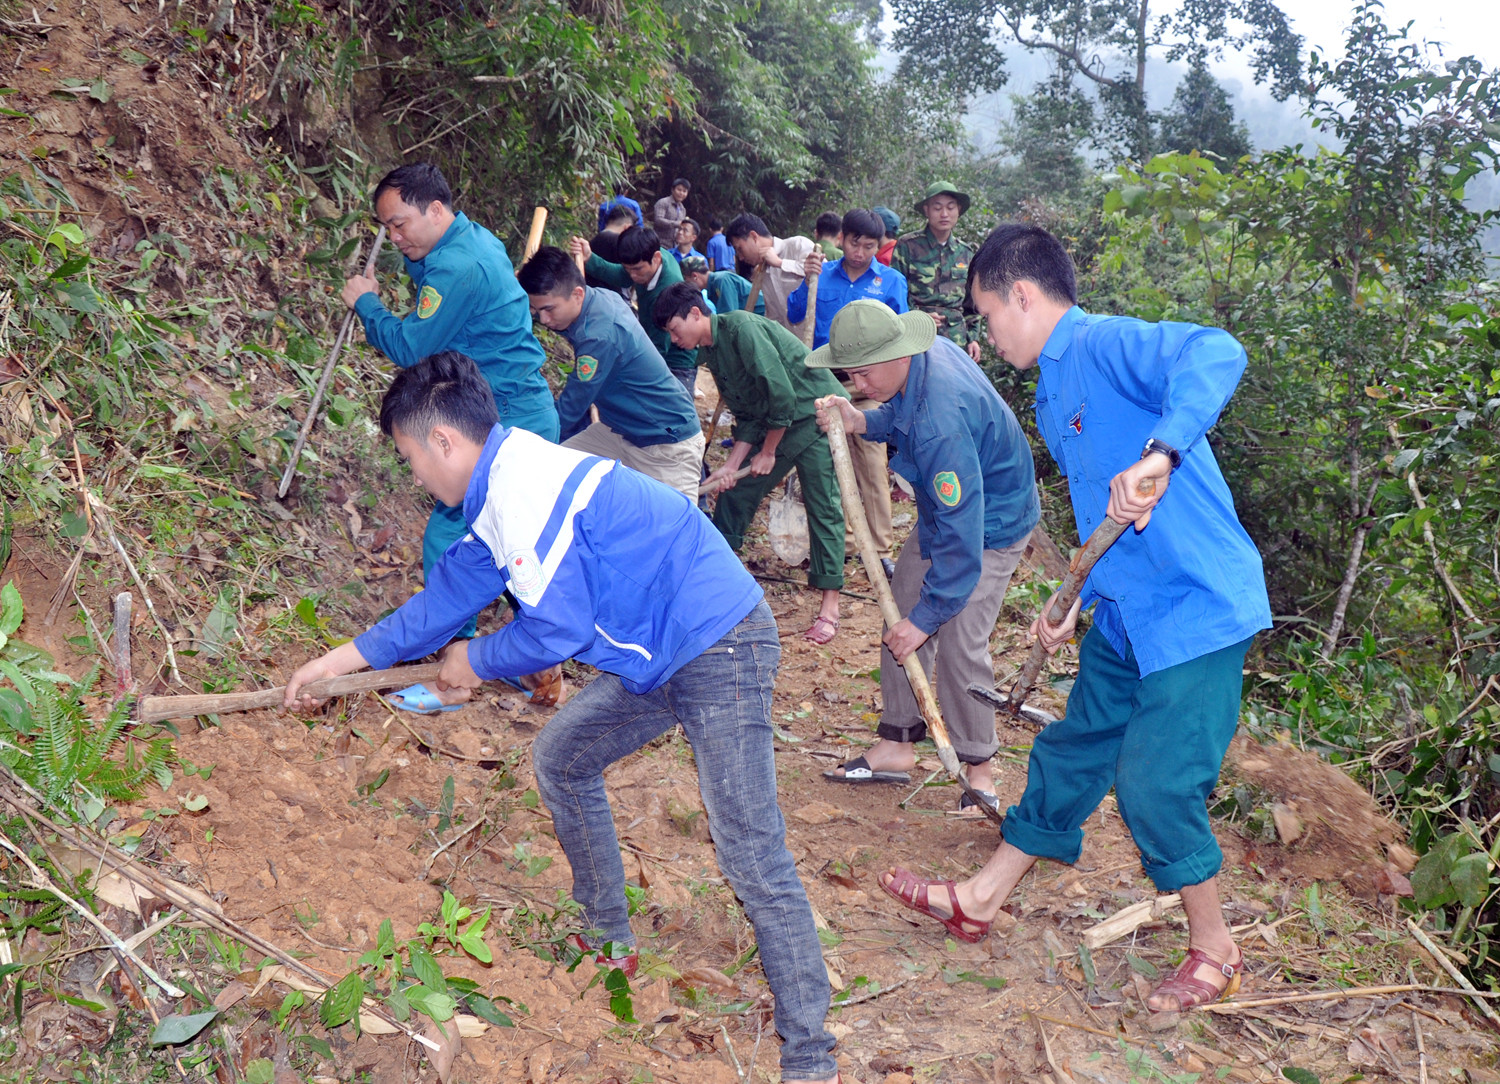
point(912, 891)
point(1191, 991)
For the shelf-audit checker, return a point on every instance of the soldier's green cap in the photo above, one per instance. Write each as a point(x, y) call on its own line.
point(694, 263)
point(942, 188)
point(868, 332)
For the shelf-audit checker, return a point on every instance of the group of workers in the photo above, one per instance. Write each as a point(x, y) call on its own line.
point(600, 548)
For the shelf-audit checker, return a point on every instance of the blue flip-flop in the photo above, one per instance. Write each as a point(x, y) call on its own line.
point(420, 700)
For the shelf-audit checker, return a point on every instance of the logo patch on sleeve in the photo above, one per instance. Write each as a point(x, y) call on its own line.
point(527, 579)
point(948, 489)
point(586, 368)
point(427, 302)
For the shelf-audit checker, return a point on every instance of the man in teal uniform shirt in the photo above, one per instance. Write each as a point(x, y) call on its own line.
point(468, 300)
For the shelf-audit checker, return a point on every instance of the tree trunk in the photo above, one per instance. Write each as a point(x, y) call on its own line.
point(1351, 573)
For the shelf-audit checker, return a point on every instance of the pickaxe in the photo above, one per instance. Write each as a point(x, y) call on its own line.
point(1014, 701)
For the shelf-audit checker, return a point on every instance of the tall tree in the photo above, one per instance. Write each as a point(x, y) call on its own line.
point(1107, 43)
point(1201, 119)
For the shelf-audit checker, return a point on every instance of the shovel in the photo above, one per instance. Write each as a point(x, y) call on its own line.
point(854, 512)
point(1014, 701)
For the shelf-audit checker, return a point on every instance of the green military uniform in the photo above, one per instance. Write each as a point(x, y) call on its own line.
point(612, 274)
point(758, 367)
point(937, 276)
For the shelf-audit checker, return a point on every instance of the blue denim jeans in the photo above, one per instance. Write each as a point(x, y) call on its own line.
point(722, 701)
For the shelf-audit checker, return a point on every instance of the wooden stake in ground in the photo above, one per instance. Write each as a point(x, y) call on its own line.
point(153, 709)
point(124, 679)
point(1079, 567)
point(854, 512)
point(333, 359)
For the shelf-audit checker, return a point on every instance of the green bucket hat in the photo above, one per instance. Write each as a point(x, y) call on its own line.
point(942, 188)
point(868, 332)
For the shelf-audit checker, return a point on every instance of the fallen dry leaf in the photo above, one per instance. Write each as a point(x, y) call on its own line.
point(817, 813)
point(1288, 824)
point(449, 1044)
point(710, 977)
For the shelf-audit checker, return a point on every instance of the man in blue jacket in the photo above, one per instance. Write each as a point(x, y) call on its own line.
point(1177, 601)
point(963, 451)
point(584, 546)
point(467, 300)
point(646, 421)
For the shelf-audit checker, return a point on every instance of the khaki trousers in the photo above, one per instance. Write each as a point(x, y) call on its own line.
point(961, 646)
point(870, 471)
point(677, 465)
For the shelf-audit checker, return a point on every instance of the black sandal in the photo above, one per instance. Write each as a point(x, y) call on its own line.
point(858, 771)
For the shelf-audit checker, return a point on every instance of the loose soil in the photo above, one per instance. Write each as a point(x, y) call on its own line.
point(316, 830)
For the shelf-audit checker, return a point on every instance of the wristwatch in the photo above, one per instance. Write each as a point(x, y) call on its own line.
point(1154, 445)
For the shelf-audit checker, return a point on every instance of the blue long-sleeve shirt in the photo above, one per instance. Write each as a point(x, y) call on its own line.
point(964, 453)
point(1191, 583)
point(617, 368)
point(468, 300)
point(619, 201)
point(585, 545)
point(720, 255)
point(836, 289)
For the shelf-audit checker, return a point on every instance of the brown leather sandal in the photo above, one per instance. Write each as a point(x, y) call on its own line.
point(1191, 991)
point(817, 634)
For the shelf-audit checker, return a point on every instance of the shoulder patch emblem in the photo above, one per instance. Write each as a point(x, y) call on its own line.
point(527, 579)
point(586, 367)
point(948, 489)
point(427, 302)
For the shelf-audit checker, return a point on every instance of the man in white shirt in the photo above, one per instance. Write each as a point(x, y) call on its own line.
point(781, 257)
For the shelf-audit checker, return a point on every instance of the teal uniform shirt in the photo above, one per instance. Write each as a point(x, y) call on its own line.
point(617, 369)
point(963, 452)
point(614, 275)
point(728, 292)
point(468, 300)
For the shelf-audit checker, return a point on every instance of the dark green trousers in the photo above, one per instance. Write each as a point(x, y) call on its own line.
point(1158, 740)
point(805, 447)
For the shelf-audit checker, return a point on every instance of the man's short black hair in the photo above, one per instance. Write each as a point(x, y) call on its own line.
point(1014, 251)
point(443, 389)
point(637, 245)
point(827, 225)
point(417, 184)
point(862, 223)
point(714, 224)
point(678, 300)
point(684, 182)
point(690, 222)
point(549, 271)
point(619, 213)
point(743, 225)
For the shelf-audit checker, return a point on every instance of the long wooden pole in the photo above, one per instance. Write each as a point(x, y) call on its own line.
point(1057, 608)
point(854, 512)
point(805, 329)
point(153, 709)
point(534, 238)
point(333, 358)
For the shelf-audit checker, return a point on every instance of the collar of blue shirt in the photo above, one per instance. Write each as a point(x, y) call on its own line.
point(1062, 335)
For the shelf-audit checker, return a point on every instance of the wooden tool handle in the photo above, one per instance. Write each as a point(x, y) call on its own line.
point(333, 357)
point(534, 238)
point(805, 329)
point(153, 709)
point(705, 489)
point(1102, 537)
point(757, 278)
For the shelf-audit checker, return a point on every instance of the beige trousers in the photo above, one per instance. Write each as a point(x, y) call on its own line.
point(677, 465)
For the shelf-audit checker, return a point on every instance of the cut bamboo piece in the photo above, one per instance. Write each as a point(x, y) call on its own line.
point(153, 709)
point(1129, 919)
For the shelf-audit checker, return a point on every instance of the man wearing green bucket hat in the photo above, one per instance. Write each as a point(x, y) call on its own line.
point(963, 451)
point(936, 265)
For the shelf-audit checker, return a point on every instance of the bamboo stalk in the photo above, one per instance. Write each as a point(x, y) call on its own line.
point(805, 329)
point(1247, 1004)
point(854, 512)
point(534, 238)
point(333, 358)
point(1453, 972)
point(153, 709)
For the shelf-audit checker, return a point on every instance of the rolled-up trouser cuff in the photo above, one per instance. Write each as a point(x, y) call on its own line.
point(1064, 847)
point(1196, 868)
